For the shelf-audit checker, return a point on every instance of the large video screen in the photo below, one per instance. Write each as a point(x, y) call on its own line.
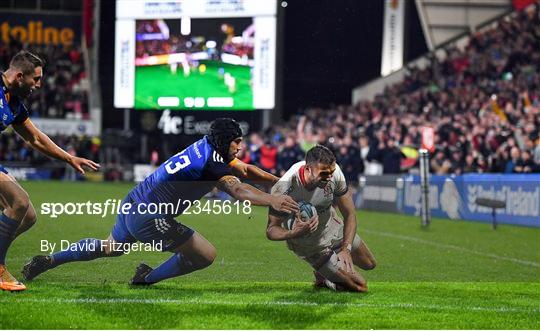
point(195, 54)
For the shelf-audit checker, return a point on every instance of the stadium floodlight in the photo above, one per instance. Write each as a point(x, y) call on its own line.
point(494, 205)
point(424, 183)
point(185, 26)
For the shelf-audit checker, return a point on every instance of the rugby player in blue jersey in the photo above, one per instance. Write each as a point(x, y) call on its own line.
point(188, 175)
point(18, 82)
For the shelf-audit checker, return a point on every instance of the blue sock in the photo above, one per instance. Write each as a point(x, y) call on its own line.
point(176, 265)
point(84, 250)
point(8, 226)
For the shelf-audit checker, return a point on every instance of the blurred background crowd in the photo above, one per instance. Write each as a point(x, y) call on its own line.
point(483, 103)
point(65, 84)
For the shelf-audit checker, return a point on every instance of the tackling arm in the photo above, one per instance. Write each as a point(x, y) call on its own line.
point(251, 172)
point(242, 191)
point(45, 145)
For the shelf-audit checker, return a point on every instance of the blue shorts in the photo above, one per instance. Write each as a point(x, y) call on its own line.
point(4, 170)
point(132, 226)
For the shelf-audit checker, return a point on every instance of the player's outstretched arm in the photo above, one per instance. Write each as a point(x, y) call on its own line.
point(251, 172)
point(45, 145)
point(242, 191)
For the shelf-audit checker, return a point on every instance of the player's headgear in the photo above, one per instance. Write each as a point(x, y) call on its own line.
point(222, 132)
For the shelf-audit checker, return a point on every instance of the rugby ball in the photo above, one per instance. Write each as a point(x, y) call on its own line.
point(307, 211)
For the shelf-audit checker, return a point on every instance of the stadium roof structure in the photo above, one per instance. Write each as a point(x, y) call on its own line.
point(446, 20)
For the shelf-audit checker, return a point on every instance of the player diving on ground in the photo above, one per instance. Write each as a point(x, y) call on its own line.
point(188, 175)
point(327, 242)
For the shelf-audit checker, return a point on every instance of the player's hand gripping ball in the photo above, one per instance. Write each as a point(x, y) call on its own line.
point(307, 211)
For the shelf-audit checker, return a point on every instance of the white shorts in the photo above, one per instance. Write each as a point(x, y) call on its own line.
point(332, 265)
point(319, 249)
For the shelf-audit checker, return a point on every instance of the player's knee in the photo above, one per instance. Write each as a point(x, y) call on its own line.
point(31, 216)
point(109, 248)
point(209, 257)
point(206, 259)
point(21, 207)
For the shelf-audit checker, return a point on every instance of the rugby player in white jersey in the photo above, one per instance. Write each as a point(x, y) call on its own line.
point(327, 242)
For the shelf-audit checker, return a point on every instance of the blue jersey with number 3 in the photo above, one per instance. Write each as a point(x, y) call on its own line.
point(186, 176)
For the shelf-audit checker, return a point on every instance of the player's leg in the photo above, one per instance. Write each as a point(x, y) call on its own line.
point(196, 254)
point(330, 270)
point(20, 201)
point(84, 250)
point(199, 251)
point(17, 216)
point(87, 249)
point(361, 255)
point(191, 252)
point(333, 271)
point(28, 220)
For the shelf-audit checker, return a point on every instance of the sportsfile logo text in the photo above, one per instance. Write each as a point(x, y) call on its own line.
point(116, 207)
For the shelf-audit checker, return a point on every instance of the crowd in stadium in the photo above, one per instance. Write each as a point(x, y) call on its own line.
point(483, 103)
point(14, 149)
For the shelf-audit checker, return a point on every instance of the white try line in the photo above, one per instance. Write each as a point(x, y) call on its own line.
point(457, 248)
point(412, 306)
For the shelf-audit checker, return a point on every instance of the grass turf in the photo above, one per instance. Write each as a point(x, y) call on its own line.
point(152, 82)
point(453, 275)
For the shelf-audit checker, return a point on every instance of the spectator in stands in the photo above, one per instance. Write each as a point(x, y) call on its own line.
point(268, 157)
point(254, 145)
point(289, 155)
point(371, 167)
point(389, 155)
point(513, 162)
point(470, 165)
point(348, 158)
point(525, 164)
point(457, 162)
point(440, 165)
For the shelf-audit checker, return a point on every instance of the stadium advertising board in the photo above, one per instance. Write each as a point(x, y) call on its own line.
point(40, 29)
point(379, 193)
point(53, 126)
point(455, 197)
point(29, 173)
point(190, 125)
point(195, 55)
